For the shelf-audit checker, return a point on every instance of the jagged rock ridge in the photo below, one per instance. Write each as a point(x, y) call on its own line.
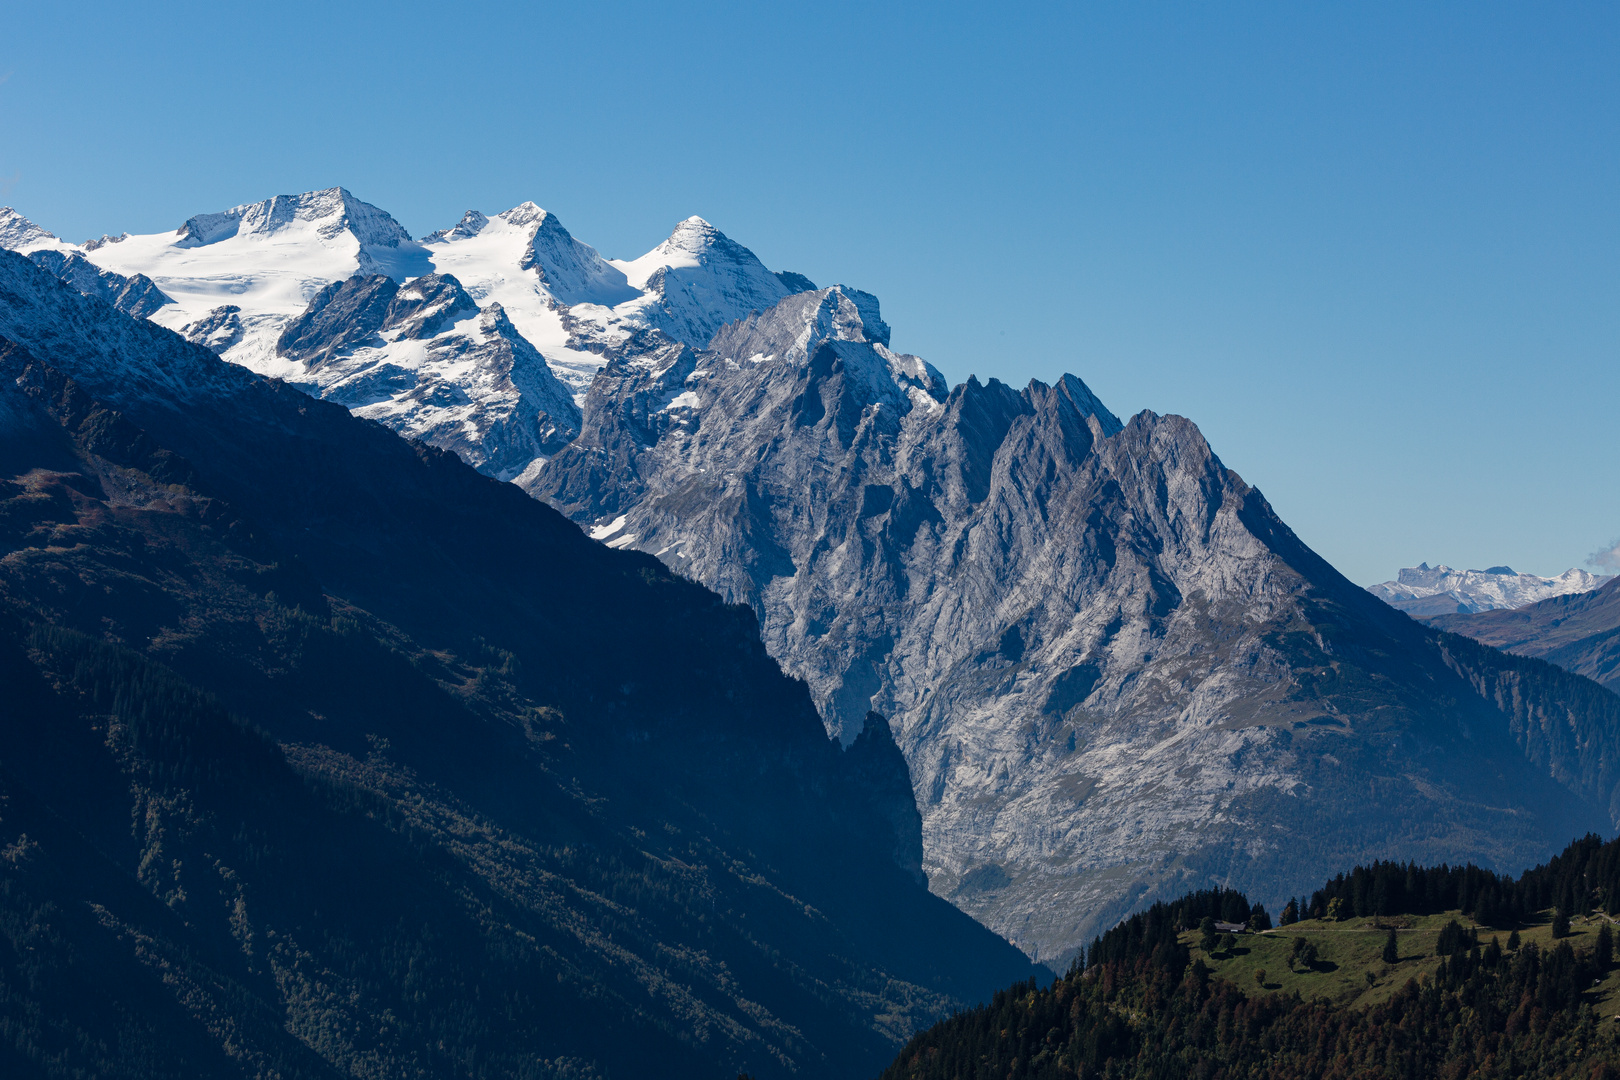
point(494, 388)
point(1113, 671)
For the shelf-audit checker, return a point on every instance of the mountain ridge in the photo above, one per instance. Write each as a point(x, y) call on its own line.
point(1111, 667)
point(1428, 591)
point(1112, 670)
point(1579, 632)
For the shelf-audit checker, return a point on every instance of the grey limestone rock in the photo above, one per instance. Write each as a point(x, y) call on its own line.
point(1114, 673)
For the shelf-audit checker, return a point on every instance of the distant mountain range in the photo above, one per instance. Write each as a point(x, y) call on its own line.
point(1113, 672)
point(1426, 591)
point(1579, 632)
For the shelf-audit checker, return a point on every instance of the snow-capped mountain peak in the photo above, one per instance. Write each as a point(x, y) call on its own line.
point(19, 234)
point(1424, 591)
point(471, 224)
point(332, 294)
point(698, 280)
point(328, 214)
point(485, 249)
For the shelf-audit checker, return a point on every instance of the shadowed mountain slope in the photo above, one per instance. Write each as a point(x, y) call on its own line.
point(324, 754)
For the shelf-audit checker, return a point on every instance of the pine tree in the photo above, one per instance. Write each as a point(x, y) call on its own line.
point(1560, 924)
point(1392, 950)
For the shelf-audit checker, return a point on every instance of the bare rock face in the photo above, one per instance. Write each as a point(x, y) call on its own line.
point(1114, 673)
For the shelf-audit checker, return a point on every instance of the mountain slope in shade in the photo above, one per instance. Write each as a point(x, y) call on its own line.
point(1579, 632)
point(136, 295)
point(1113, 671)
point(426, 781)
point(1426, 591)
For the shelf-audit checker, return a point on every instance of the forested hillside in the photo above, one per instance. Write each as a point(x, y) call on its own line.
point(1388, 970)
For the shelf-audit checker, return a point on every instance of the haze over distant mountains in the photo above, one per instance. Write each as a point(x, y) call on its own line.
point(1426, 591)
point(1114, 673)
point(1579, 632)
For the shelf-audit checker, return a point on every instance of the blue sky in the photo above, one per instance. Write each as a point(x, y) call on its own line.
point(1373, 250)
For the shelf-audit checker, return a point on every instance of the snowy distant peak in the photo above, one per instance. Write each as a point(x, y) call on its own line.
point(1424, 591)
point(569, 272)
point(103, 240)
point(697, 281)
point(17, 233)
point(525, 213)
point(329, 213)
point(693, 236)
point(471, 224)
point(574, 273)
point(694, 243)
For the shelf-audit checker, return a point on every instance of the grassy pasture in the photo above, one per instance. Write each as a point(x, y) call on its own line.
point(1348, 950)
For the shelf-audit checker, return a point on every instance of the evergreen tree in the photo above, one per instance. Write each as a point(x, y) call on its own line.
point(1392, 950)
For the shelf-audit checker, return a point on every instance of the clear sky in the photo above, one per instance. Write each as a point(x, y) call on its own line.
point(1372, 249)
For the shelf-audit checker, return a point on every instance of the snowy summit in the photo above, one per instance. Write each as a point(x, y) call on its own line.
point(1425, 591)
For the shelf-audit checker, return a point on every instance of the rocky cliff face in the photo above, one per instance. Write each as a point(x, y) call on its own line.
point(1112, 670)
